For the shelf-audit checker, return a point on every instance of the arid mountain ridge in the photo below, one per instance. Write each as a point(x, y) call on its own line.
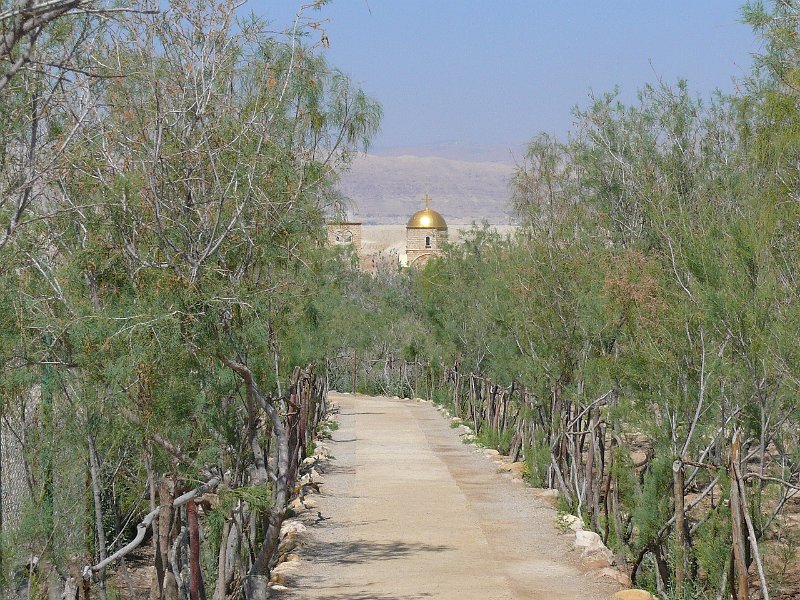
point(388, 188)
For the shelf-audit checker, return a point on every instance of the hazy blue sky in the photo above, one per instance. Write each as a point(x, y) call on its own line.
point(494, 72)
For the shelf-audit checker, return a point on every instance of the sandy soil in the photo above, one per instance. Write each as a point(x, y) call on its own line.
point(409, 511)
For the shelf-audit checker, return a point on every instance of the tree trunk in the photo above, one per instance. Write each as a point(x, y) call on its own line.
point(588, 475)
point(221, 591)
point(94, 469)
point(662, 571)
point(261, 564)
point(607, 499)
point(157, 581)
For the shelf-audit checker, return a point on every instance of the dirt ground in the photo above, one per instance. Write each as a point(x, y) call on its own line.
point(408, 511)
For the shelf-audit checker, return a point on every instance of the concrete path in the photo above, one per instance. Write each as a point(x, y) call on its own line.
point(409, 511)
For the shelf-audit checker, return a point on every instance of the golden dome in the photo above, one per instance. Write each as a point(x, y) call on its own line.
point(427, 218)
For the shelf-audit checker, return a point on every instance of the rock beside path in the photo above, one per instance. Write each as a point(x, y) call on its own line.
point(633, 595)
point(616, 575)
point(593, 548)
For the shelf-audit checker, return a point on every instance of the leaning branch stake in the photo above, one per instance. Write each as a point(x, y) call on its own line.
point(141, 528)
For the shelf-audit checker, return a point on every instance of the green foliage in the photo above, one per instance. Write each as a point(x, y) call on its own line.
point(652, 507)
point(441, 397)
point(496, 440)
point(537, 462)
point(624, 476)
point(712, 546)
point(257, 497)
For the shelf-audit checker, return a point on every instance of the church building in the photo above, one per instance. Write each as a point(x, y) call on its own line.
point(426, 231)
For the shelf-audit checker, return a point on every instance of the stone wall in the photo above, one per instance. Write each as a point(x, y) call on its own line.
point(416, 249)
point(345, 233)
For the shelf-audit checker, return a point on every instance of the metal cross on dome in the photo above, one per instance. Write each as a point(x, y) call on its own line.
point(427, 200)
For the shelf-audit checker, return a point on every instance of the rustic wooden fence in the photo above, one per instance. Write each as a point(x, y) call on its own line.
point(178, 526)
point(575, 448)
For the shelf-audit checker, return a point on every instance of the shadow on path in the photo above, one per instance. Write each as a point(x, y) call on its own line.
point(361, 551)
point(369, 596)
point(332, 467)
point(345, 595)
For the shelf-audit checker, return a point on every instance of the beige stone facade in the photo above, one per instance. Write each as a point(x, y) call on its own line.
point(345, 233)
point(421, 244)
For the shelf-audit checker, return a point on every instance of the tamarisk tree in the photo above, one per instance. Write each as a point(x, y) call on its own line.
point(163, 289)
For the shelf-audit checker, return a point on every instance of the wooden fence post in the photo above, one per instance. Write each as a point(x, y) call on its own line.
point(355, 370)
point(680, 528)
point(739, 559)
point(195, 577)
point(166, 518)
point(751, 532)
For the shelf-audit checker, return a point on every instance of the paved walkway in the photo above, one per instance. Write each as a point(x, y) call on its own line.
point(412, 512)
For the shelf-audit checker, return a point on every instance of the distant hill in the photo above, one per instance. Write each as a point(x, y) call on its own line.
point(389, 189)
point(459, 150)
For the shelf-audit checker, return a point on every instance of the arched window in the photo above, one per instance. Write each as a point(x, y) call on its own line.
point(344, 237)
point(427, 241)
